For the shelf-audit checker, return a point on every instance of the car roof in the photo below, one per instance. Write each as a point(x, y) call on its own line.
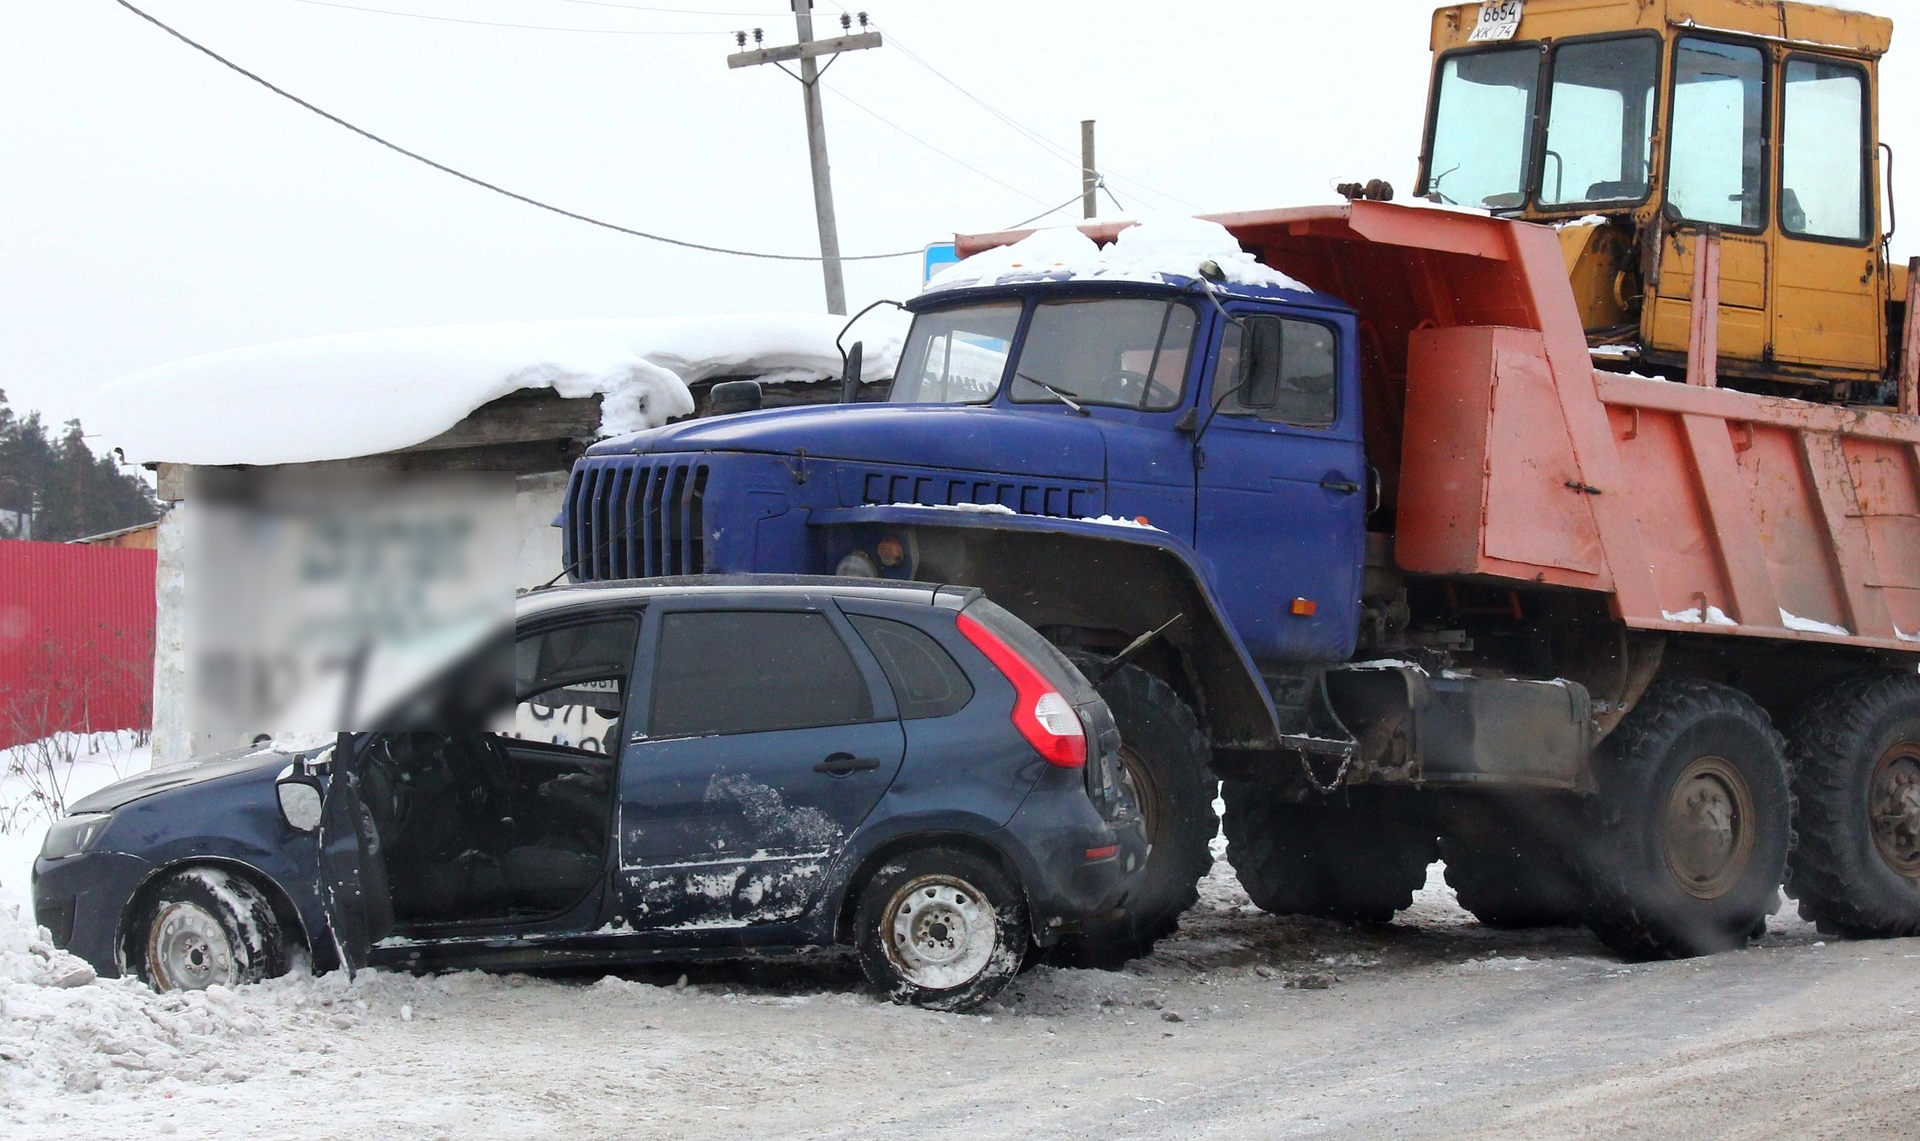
point(590, 595)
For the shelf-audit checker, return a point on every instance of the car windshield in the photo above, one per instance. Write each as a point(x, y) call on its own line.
point(956, 356)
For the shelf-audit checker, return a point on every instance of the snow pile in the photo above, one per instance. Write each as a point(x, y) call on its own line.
point(1714, 616)
point(1812, 625)
point(1155, 249)
point(1904, 636)
point(358, 394)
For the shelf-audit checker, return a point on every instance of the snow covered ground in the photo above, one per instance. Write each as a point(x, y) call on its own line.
point(1242, 1024)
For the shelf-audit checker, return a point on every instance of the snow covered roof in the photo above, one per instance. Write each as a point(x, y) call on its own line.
point(361, 394)
point(1156, 249)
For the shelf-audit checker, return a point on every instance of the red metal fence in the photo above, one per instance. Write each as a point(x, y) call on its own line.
point(76, 639)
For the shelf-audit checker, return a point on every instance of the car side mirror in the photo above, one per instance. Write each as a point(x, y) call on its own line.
point(301, 802)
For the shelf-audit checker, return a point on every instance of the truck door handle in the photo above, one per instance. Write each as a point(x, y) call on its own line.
point(1343, 486)
point(840, 764)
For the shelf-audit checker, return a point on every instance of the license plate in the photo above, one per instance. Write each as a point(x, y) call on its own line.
point(1499, 20)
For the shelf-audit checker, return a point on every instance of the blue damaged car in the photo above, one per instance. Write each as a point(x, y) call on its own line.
point(695, 768)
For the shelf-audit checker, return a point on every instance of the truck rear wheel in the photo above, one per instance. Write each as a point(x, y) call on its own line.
point(1163, 756)
point(1689, 835)
point(1510, 880)
point(1356, 856)
point(1856, 759)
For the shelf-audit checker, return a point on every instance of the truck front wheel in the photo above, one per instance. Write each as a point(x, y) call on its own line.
point(1164, 758)
point(1856, 758)
point(1688, 839)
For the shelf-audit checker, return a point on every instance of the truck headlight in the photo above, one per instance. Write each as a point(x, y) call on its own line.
point(72, 835)
point(859, 564)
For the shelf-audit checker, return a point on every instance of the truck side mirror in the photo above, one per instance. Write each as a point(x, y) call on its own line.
point(850, 377)
point(734, 396)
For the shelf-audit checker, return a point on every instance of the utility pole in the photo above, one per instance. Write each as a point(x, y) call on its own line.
point(1089, 174)
point(808, 51)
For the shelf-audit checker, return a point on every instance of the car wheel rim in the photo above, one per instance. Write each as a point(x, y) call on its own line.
point(1894, 802)
point(187, 949)
point(1707, 832)
point(940, 932)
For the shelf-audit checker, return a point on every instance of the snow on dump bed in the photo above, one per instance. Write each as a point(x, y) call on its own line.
point(359, 394)
point(1157, 248)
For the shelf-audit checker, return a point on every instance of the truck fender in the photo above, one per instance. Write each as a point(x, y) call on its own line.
point(1116, 579)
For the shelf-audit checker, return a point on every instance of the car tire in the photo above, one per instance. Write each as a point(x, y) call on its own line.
point(1856, 763)
point(1688, 835)
point(1357, 856)
point(205, 927)
point(941, 929)
point(1165, 759)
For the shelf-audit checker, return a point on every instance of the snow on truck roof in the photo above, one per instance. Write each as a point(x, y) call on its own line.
point(1157, 249)
point(361, 394)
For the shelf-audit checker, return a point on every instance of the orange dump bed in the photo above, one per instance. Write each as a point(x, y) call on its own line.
point(1507, 456)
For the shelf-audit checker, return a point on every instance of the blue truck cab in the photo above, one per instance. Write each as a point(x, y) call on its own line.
point(1107, 458)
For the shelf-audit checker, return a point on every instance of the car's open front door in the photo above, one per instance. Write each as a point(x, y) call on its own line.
point(353, 872)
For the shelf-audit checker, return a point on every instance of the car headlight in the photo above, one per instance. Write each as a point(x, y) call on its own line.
point(72, 835)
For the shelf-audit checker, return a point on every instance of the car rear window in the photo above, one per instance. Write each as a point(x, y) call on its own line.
point(746, 671)
point(926, 681)
point(1027, 642)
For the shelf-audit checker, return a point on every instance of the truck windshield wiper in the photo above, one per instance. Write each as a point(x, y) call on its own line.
point(1057, 394)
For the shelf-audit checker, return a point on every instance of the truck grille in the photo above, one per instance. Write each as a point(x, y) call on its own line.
point(628, 519)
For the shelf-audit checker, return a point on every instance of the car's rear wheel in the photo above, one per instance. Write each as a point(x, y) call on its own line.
point(941, 929)
point(206, 927)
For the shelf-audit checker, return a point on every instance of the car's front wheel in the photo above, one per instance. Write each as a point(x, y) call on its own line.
point(206, 927)
point(940, 928)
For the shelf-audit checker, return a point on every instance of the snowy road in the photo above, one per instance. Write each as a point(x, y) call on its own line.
point(1433, 1027)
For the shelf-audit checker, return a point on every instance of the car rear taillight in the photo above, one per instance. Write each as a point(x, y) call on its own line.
point(1041, 713)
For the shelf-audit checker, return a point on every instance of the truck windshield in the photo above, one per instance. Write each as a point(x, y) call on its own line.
point(1483, 128)
point(1122, 351)
point(956, 356)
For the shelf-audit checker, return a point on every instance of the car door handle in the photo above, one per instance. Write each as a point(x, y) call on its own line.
point(1343, 486)
point(840, 764)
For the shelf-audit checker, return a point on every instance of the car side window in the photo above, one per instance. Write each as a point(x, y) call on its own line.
point(926, 681)
point(753, 671)
point(1280, 371)
point(571, 683)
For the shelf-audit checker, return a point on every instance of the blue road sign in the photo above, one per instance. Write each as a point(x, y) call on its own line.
point(938, 256)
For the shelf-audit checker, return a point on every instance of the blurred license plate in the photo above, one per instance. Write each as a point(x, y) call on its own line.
point(1499, 20)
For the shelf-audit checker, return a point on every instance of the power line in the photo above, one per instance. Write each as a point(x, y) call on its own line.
point(857, 105)
point(674, 11)
point(482, 183)
point(1052, 148)
point(503, 24)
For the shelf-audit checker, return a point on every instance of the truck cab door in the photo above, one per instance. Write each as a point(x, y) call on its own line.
point(353, 872)
point(1281, 501)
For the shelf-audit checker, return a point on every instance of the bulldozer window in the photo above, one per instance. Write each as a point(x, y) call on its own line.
point(1482, 142)
point(1823, 161)
point(1600, 122)
point(1718, 165)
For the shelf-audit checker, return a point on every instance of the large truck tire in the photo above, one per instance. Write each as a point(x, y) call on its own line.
point(1511, 881)
point(1357, 856)
point(1164, 757)
point(1856, 763)
point(1688, 835)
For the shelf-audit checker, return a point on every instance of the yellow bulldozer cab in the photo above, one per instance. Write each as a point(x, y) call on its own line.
point(1639, 126)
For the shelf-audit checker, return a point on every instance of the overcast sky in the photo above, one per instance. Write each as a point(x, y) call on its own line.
point(156, 206)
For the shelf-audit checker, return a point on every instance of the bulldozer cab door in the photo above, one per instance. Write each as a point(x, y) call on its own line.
point(1774, 147)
